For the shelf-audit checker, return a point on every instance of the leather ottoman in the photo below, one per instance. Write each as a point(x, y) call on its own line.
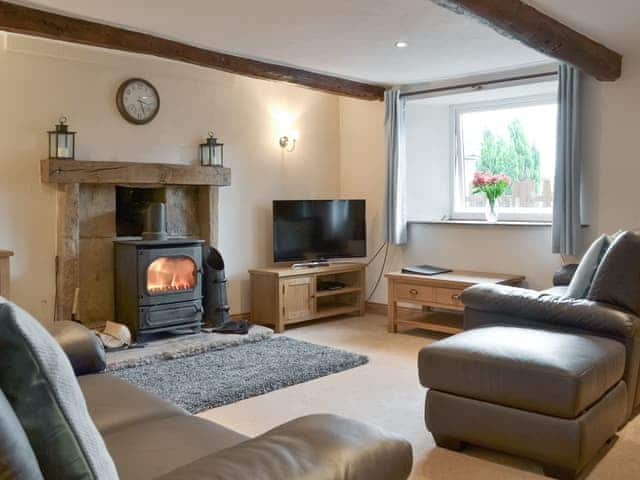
point(555, 397)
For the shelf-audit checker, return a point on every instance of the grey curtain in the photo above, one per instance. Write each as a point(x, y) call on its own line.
point(568, 178)
point(395, 207)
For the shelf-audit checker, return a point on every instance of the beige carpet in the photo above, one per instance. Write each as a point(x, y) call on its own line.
point(386, 392)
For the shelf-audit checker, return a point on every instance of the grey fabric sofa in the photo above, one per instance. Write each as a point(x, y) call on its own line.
point(534, 374)
point(149, 438)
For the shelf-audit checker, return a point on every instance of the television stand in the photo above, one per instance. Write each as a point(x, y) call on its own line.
point(283, 296)
point(311, 264)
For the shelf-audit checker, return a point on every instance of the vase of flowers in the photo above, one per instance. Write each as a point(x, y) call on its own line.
point(493, 186)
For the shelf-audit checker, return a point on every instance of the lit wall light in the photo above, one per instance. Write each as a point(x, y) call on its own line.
point(288, 142)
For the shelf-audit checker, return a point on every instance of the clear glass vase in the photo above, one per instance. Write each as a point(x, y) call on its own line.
point(491, 211)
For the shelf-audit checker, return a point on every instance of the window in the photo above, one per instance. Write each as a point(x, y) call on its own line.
point(516, 137)
point(508, 129)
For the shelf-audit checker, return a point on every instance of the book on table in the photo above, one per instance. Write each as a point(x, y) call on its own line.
point(425, 270)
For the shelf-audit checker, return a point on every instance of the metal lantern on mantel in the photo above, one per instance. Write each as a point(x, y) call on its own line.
point(211, 152)
point(62, 142)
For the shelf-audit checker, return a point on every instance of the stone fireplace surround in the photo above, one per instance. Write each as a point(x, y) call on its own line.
point(97, 210)
point(86, 224)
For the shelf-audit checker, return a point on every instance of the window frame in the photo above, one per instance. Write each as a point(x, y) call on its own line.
point(457, 162)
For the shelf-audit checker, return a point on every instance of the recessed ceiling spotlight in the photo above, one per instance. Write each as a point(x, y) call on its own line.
point(402, 44)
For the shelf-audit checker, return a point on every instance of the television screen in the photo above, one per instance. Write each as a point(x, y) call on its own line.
point(318, 229)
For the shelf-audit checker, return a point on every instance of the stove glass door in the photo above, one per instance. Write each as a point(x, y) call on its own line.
point(171, 275)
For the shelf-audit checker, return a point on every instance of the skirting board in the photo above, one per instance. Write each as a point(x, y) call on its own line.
point(377, 308)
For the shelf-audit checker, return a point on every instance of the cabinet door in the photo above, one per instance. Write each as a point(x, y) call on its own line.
point(297, 298)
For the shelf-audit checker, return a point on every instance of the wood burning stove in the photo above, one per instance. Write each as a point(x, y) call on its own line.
point(158, 285)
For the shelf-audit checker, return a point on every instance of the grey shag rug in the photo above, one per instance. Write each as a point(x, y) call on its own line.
point(219, 377)
point(183, 346)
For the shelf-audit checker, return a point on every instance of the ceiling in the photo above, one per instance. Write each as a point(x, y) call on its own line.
point(351, 38)
point(615, 24)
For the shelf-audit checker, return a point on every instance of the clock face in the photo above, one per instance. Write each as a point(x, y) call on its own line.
point(138, 101)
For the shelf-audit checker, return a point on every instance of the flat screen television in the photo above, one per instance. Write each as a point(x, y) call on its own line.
point(318, 229)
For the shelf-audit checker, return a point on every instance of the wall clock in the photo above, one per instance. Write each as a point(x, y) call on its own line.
point(138, 101)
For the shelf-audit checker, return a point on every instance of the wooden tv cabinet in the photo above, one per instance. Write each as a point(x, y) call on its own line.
point(281, 296)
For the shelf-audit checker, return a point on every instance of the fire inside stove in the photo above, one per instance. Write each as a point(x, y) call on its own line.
point(171, 274)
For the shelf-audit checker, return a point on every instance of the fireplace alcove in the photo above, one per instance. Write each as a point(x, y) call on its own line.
point(87, 225)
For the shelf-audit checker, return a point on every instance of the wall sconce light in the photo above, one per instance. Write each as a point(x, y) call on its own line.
point(288, 142)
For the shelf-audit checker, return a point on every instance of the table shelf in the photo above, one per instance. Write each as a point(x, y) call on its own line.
point(341, 291)
point(442, 292)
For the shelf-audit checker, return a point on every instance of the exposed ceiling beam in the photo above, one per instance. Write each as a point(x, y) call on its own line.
point(517, 20)
point(40, 23)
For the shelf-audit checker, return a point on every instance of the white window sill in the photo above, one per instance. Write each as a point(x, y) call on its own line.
point(483, 223)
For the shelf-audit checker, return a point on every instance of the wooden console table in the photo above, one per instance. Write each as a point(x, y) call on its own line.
point(441, 292)
point(5, 273)
point(282, 295)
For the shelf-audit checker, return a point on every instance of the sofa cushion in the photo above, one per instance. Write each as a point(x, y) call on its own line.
point(512, 304)
point(39, 383)
point(315, 447)
point(554, 373)
point(150, 449)
point(581, 280)
point(17, 459)
point(114, 403)
point(617, 280)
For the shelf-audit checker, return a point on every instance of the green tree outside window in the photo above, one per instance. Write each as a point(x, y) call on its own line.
point(513, 157)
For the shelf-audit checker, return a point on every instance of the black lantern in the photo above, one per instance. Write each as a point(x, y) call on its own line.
point(62, 141)
point(211, 152)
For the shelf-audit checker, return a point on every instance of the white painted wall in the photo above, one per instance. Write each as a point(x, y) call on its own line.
point(611, 156)
point(340, 151)
point(428, 144)
point(39, 80)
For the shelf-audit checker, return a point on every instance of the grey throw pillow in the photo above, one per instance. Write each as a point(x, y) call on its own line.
point(38, 381)
point(581, 280)
point(617, 280)
point(17, 459)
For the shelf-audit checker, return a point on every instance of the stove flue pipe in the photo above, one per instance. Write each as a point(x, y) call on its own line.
point(155, 222)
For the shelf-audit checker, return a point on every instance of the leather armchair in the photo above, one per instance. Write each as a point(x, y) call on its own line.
point(490, 305)
point(543, 376)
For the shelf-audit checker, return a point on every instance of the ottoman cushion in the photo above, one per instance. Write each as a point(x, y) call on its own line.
point(553, 373)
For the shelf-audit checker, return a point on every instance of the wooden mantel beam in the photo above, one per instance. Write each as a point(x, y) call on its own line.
point(132, 173)
point(517, 20)
point(40, 23)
